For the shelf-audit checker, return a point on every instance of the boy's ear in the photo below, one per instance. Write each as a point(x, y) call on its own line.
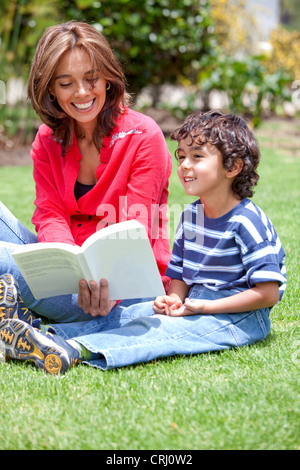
point(235, 169)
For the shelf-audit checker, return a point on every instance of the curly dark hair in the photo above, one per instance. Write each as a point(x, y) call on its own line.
point(232, 137)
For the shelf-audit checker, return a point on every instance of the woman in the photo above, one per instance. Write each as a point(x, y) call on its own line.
point(96, 162)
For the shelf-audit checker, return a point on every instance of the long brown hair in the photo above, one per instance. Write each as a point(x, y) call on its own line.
point(55, 42)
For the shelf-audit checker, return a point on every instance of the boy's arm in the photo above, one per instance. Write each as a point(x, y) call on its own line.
point(178, 291)
point(265, 294)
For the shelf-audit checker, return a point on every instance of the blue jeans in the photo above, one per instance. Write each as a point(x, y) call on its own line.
point(63, 308)
point(133, 334)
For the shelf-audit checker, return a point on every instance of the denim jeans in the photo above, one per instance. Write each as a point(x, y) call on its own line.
point(63, 308)
point(133, 334)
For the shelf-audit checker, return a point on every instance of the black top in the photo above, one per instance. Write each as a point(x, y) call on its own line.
point(81, 189)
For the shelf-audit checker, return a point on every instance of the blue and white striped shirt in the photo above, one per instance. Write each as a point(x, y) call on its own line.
point(235, 251)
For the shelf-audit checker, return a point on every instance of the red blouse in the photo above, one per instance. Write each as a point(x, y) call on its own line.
point(132, 183)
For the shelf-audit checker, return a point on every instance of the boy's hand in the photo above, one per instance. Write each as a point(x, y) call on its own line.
point(173, 307)
point(263, 295)
point(163, 304)
point(189, 308)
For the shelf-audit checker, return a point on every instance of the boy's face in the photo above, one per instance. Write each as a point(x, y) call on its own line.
point(201, 170)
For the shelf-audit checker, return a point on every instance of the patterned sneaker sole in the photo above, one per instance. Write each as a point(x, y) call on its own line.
point(11, 302)
point(25, 343)
point(9, 292)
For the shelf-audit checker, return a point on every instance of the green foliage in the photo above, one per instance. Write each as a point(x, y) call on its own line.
point(19, 123)
point(156, 40)
point(246, 82)
point(22, 22)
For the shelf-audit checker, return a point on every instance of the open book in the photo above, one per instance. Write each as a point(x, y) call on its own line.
point(120, 253)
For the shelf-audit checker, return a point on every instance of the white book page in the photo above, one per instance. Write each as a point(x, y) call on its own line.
point(50, 272)
point(120, 253)
point(127, 262)
point(114, 231)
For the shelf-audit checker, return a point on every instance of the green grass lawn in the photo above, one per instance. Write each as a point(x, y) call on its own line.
point(242, 399)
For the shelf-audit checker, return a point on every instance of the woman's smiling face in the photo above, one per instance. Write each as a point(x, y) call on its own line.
point(79, 87)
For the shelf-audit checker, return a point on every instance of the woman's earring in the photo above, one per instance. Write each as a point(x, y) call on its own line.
point(52, 97)
point(108, 85)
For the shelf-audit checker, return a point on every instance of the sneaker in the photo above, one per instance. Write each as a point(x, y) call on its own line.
point(11, 302)
point(51, 353)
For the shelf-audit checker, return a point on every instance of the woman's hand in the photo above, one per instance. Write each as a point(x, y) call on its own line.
point(94, 300)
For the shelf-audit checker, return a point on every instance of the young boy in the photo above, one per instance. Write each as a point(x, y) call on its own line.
point(227, 268)
point(218, 157)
